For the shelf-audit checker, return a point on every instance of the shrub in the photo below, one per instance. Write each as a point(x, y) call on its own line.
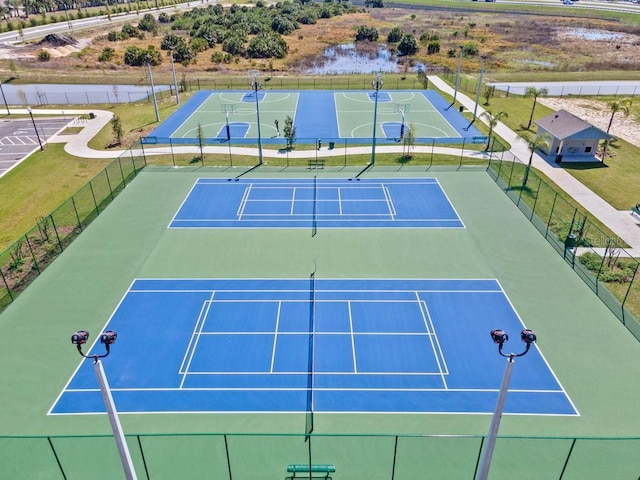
point(365, 32)
point(44, 56)
point(107, 54)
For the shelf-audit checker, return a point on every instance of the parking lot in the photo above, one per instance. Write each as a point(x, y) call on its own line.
point(18, 138)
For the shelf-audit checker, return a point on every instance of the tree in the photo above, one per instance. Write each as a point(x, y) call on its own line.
point(539, 142)
point(395, 35)
point(289, 132)
point(433, 47)
point(365, 32)
point(492, 121)
point(267, 45)
point(408, 45)
point(409, 141)
point(116, 128)
point(535, 93)
point(623, 106)
point(489, 92)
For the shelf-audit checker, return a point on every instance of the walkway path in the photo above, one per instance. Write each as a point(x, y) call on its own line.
point(622, 223)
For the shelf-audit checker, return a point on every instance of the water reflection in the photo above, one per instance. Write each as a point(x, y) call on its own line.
point(361, 57)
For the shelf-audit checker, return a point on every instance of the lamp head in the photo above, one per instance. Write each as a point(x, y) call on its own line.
point(80, 337)
point(528, 336)
point(108, 337)
point(499, 336)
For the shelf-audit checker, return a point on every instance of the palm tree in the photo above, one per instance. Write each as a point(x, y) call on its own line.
point(623, 106)
point(535, 93)
point(541, 141)
point(492, 121)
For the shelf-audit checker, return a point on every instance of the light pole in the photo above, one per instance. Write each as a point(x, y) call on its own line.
point(455, 91)
point(377, 85)
point(255, 74)
point(4, 99)
point(475, 107)
point(173, 71)
point(153, 90)
point(107, 338)
point(500, 337)
point(35, 128)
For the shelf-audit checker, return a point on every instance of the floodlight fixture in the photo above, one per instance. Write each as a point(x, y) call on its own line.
point(499, 336)
point(81, 337)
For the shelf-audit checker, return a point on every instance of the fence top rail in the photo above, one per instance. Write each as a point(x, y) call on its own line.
point(320, 435)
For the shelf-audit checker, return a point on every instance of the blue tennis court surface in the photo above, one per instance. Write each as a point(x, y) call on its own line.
point(333, 345)
point(325, 203)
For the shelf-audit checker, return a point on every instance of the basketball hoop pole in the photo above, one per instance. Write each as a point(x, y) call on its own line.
point(255, 74)
point(377, 85)
point(226, 117)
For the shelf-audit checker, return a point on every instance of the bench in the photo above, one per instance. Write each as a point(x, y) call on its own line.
point(306, 468)
point(636, 210)
point(316, 163)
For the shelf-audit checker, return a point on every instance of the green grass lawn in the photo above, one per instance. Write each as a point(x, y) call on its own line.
point(38, 185)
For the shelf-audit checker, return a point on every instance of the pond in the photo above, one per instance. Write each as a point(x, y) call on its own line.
point(360, 57)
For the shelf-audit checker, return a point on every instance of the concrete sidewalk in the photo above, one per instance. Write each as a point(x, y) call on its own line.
point(622, 223)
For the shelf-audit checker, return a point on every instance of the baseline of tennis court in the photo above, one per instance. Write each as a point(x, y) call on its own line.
point(232, 116)
point(320, 202)
point(325, 345)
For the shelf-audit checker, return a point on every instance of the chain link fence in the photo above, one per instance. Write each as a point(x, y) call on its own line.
point(383, 457)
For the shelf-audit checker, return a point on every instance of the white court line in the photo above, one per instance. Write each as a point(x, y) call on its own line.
point(275, 338)
point(201, 320)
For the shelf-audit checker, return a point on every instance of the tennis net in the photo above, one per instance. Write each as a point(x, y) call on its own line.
point(310, 364)
point(314, 218)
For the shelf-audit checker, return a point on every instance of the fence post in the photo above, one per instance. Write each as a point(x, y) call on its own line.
point(226, 449)
point(106, 174)
point(124, 181)
point(144, 460)
point(566, 462)
point(635, 272)
point(33, 256)
point(55, 454)
point(553, 206)
point(4, 280)
point(55, 229)
point(93, 195)
point(75, 209)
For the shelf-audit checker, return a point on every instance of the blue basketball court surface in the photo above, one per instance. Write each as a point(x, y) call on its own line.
point(324, 203)
point(339, 116)
point(322, 345)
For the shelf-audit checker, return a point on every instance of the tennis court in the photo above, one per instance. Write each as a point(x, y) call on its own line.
point(321, 345)
point(316, 203)
point(228, 337)
point(316, 114)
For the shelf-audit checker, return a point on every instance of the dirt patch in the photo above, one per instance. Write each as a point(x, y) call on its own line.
point(55, 40)
point(599, 114)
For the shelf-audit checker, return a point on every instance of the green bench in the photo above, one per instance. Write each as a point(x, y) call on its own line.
point(306, 468)
point(636, 209)
point(316, 163)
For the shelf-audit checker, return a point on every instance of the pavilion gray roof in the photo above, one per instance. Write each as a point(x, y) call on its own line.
point(563, 125)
